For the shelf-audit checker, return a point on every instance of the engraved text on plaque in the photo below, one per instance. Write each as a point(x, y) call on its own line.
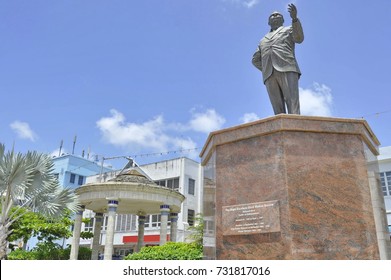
point(251, 218)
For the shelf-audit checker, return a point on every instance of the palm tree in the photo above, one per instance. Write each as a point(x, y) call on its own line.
point(27, 181)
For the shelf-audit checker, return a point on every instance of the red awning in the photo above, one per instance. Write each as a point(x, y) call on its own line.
point(147, 238)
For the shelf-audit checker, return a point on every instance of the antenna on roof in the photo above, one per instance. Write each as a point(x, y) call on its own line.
point(74, 143)
point(59, 151)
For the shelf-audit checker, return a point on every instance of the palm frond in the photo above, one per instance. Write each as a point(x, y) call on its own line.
point(15, 175)
point(55, 201)
point(2, 150)
point(42, 175)
point(42, 163)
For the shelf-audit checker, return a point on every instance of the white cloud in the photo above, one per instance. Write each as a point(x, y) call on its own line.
point(120, 133)
point(150, 135)
point(250, 3)
point(316, 101)
point(249, 117)
point(23, 130)
point(245, 3)
point(186, 144)
point(206, 122)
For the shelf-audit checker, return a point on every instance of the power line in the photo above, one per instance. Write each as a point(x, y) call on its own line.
point(181, 151)
point(376, 114)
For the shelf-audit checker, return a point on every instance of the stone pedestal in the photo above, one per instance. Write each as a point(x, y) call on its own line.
point(289, 187)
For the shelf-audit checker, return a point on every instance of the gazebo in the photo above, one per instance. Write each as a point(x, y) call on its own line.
point(130, 192)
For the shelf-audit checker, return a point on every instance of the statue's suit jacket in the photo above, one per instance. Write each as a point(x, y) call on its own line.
point(277, 50)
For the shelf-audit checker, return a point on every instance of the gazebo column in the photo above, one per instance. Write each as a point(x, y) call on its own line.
point(76, 234)
point(164, 212)
point(141, 227)
point(95, 240)
point(112, 210)
point(174, 226)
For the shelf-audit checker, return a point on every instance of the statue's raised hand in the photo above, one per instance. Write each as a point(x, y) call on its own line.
point(292, 11)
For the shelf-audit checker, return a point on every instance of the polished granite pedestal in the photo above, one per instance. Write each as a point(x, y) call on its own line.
point(289, 187)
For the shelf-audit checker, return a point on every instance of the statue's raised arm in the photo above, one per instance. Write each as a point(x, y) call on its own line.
point(297, 29)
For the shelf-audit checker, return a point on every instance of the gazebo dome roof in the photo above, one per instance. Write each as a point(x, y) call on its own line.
point(133, 175)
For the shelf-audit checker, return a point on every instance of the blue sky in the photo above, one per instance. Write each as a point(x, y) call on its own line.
point(145, 77)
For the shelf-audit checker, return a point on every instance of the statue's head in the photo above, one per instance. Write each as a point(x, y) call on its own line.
point(276, 20)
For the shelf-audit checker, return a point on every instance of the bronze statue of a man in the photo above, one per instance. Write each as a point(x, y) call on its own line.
point(275, 57)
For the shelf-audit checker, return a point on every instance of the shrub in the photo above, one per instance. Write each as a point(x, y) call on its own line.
point(169, 251)
point(19, 254)
point(48, 251)
point(84, 253)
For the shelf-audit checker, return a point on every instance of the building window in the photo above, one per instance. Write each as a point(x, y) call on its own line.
point(385, 179)
point(125, 222)
point(152, 221)
point(190, 217)
point(209, 227)
point(80, 180)
point(105, 220)
point(90, 225)
point(172, 183)
point(56, 175)
point(191, 189)
point(73, 178)
point(161, 183)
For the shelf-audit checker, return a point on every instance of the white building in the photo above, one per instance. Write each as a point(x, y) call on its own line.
point(384, 160)
point(181, 174)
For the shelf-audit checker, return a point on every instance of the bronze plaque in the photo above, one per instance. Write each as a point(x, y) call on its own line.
point(251, 218)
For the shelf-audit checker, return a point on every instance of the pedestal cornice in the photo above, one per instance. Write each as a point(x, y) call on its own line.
point(291, 123)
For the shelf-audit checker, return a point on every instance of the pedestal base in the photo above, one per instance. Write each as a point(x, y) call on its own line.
point(289, 187)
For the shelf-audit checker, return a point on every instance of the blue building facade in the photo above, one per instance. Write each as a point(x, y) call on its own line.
point(72, 170)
